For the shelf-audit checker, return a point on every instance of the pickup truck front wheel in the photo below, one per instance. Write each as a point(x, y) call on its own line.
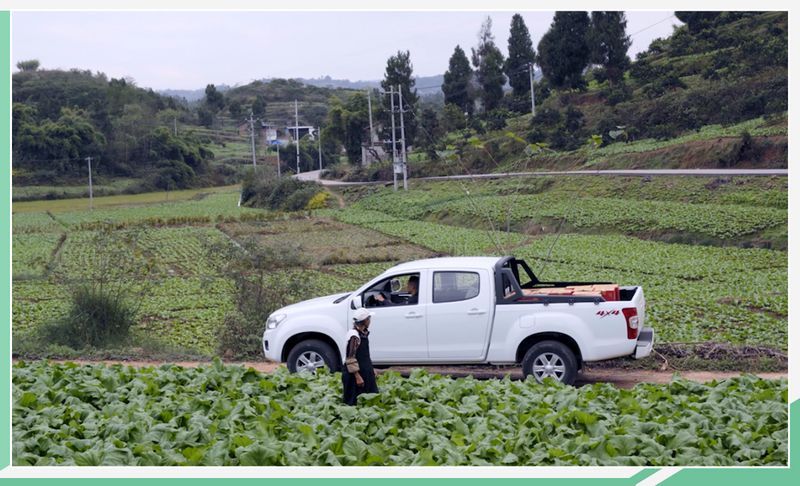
point(308, 356)
point(550, 359)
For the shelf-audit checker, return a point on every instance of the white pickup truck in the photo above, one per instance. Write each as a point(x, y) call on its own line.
point(468, 310)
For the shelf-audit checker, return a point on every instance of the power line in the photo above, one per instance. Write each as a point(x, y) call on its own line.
point(651, 26)
point(516, 71)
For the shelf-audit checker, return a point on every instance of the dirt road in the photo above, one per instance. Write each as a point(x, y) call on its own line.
point(314, 175)
point(623, 378)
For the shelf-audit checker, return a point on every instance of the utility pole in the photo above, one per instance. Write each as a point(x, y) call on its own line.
point(297, 135)
point(278, 156)
point(91, 198)
point(533, 99)
point(403, 141)
point(394, 142)
point(252, 139)
point(369, 108)
point(319, 147)
point(175, 126)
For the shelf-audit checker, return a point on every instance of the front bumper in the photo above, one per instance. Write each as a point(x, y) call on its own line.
point(269, 345)
point(644, 344)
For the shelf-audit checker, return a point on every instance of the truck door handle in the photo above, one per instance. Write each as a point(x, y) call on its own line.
point(476, 312)
point(413, 315)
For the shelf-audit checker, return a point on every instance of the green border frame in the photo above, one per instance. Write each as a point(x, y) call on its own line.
point(731, 476)
point(5, 241)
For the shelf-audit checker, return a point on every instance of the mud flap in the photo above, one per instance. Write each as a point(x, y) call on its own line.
point(644, 344)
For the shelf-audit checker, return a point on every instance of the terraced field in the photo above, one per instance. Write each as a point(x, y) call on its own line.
point(721, 210)
point(696, 293)
point(177, 246)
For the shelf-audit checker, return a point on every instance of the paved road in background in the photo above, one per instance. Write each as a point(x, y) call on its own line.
point(314, 175)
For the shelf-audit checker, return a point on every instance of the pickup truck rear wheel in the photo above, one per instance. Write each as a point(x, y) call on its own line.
point(550, 359)
point(308, 356)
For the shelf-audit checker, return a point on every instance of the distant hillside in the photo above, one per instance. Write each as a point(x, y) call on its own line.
point(279, 96)
point(428, 82)
point(62, 117)
point(191, 95)
point(328, 82)
point(712, 94)
point(719, 68)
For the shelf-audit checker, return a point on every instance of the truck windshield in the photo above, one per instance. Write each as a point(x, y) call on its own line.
point(341, 298)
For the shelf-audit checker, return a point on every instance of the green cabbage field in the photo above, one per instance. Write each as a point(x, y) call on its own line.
point(695, 293)
point(88, 415)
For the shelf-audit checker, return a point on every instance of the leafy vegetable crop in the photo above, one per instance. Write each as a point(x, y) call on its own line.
point(65, 414)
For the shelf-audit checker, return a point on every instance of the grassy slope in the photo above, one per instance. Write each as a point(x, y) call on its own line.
point(80, 204)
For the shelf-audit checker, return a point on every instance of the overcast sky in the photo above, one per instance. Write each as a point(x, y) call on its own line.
point(187, 50)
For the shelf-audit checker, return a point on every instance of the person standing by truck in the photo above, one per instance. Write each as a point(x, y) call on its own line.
point(358, 376)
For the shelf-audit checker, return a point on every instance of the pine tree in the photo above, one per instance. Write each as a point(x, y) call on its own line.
point(609, 43)
point(214, 99)
point(520, 55)
point(563, 50)
point(488, 62)
point(399, 71)
point(259, 106)
point(456, 86)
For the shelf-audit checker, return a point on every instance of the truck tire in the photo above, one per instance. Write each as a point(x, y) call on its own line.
point(550, 359)
point(308, 356)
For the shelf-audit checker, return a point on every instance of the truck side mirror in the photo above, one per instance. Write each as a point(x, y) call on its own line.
point(356, 302)
point(395, 283)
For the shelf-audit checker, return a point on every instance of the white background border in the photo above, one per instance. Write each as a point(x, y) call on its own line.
point(422, 5)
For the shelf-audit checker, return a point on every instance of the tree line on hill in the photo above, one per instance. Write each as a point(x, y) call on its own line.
point(718, 67)
point(62, 117)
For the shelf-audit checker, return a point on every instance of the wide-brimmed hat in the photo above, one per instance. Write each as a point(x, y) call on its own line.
point(362, 314)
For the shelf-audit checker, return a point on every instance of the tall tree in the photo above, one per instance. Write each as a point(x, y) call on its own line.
point(609, 43)
point(235, 109)
point(431, 132)
point(399, 71)
point(697, 21)
point(30, 65)
point(488, 62)
point(259, 106)
point(214, 99)
point(456, 86)
point(349, 124)
point(564, 51)
point(520, 55)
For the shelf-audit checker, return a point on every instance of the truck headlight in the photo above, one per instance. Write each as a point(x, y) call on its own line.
point(274, 320)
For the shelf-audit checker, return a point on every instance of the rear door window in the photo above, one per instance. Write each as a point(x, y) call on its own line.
point(455, 286)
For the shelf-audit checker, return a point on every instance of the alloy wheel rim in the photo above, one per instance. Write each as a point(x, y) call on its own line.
point(549, 365)
point(309, 362)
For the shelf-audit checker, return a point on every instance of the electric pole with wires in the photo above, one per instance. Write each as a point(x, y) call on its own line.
point(91, 198)
point(252, 139)
point(297, 135)
point(533, 98)
point(403, 158)
point(394, 141)
point(319, 148)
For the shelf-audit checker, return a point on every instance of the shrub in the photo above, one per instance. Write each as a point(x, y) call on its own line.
point(262, 281)
point(319, 201)
point(617, 93)
point(105, 303)
point(496, 119)
point(562, 131)
point(300, 198)
point(96, 317)
point(262, 189)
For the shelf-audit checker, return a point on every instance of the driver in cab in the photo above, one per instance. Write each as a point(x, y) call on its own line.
point(412, 287)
